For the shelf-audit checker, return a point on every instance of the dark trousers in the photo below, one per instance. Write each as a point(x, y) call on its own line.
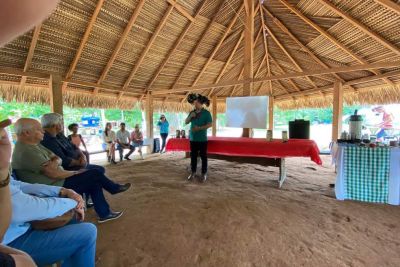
point(121, 150)
point(197, 148)
point(88, 167)
point(92, 182)
point(164, 140)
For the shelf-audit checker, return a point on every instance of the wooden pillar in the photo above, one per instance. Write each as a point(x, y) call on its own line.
point(56, 96)
point(337, 110)
point(214, 115)
point(248, 51)
point(149, 120)
point(271, 113)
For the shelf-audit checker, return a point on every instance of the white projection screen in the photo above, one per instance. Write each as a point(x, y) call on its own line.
point(247, 112)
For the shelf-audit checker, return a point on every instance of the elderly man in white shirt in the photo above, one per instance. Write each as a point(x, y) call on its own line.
point(74, 244)
point(124, 142)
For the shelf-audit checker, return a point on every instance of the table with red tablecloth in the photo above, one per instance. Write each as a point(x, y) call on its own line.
point(257, 150)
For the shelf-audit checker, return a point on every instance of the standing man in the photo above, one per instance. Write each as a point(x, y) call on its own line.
point(200, 120)
point(124, 142)
point(164, 130)
point(386, 124)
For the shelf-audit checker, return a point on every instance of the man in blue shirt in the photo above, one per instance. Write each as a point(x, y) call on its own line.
point(164, 130)
point(74, 244)
point(72, 157)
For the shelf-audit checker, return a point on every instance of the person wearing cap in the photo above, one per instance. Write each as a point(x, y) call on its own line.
point(200, 120)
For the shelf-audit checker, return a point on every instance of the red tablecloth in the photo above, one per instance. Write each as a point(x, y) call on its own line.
point(253, 147)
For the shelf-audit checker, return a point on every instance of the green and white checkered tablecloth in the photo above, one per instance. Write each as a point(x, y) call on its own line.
point(366, 172)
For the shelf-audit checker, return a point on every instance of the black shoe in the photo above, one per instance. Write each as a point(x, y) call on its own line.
point(89, 203)
point(109, 159)
point(113, 161)
point(127, 158)
point(123, 188)
point(203, 178)
point(111, 216)
point(191, 176)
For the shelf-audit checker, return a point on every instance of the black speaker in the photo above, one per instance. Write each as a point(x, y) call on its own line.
point(156, 147)
point(299, 129)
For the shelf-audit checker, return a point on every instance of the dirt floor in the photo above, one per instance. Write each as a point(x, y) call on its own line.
point(240, 218)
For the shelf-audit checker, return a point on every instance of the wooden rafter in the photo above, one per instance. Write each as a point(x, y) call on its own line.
point(362, 27)
point(317, 72)
point(222, 72)
point(210, 24)
point(295, 39)
point(241, 72)
point(295, 86)
point(175, 46)
point(328, 36)
point(121, 41)
point(265, 51)
point(84, 39)
point(286, 52)
point(31, 51)
point(390, 5)
point(148, 46)
point(248, 51)
point(218, 45)
point(181, 9)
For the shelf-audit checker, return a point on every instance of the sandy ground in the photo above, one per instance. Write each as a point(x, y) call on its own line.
point(240, 218)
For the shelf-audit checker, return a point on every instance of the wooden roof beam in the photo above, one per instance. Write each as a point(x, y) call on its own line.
point(361, 27)
point(222, 72)
point(266, 51)
point(216, 48)
point(286, 52)
point(121, 40)
point(148, 46)
point(181, 9)
point(390, 5)
point(174, 48)
point(84, 39)
point(31, 51)
point(380, 65)
point(328, 36)
point(295, 39)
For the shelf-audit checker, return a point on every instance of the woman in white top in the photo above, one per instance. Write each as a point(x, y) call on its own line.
point(110, 140)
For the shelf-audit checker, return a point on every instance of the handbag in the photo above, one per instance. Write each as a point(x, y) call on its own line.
point(53, 223)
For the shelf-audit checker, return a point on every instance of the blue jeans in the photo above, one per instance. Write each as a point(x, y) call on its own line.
point(74, 244)
point(92, 182)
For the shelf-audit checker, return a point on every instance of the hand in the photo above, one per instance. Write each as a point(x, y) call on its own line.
point(192, 114)
point(5, 148)
point(82, 161)
point(80, 214)
point(68, 193)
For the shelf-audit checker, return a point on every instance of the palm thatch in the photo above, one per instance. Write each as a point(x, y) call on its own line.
point(112, 53)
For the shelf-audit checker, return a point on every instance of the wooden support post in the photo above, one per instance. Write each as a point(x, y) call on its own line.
point(271, 113)
point(248, 52)
point(337, 110)
point(149, 120)
point(214, 115)
point(56, 96)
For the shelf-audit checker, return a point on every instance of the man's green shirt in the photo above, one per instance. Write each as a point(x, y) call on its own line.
point(202, 118)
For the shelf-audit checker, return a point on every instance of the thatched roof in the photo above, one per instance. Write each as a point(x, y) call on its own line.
point(111, 53)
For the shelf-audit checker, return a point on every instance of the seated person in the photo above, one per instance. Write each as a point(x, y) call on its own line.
point(33, 163)
point(124, 142)
point(72, 157)
point(9, 257)
point(74, 243)
point(77, 139)
point(137, 139)
point(110, 139)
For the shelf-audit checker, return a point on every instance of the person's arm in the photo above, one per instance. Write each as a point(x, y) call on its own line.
point(54, 147)
point(159, 123)
point(19, 16)
point(52, 170)
point(5, 199)
point(206, 126)
point(83, 142)
point(28, 207)
point(190, 117)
